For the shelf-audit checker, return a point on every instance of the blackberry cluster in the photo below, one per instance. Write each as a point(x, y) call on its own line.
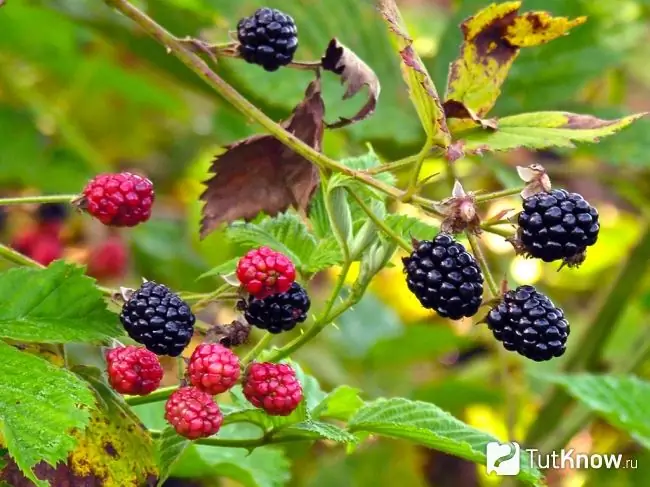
point(278, 312)
point(557, 225)
point(268, 38)
point(444, 277)
point(157, 318)
point(527, 322)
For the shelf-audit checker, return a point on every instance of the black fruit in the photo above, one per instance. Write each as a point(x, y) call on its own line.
point(444, 277)
point(159, 319)
point(528, 323)
point(278, 312)
point(557, 225)
point(52, 212)
point(268, 38)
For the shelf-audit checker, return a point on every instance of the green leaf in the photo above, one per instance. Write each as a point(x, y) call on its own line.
point(171, 447)
point(540, 130)
point(428, 425)
point(40, 405)
point(340, 214)
point(226, 268)
point(326, 254)
point(409, 227)
point(317, 430)
point(624, 401)
point(54, 305)
point(339, 404)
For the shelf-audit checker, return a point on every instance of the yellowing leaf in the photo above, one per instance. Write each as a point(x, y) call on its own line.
point(422, 91)
point(539, 130)
point(492, 39)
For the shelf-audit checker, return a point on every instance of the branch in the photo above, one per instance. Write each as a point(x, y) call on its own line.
point(25, 200)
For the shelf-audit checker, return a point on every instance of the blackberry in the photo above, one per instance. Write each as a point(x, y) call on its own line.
point(52, 212)
point(268, 38)
point(278, 312)
point(444, 277)
point(557, 225)
point(157, 318)
point(527, 322)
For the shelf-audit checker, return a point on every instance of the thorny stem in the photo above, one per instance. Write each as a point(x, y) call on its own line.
point(25, 200)
point(380, 224)
point(250, 111)
point(497, 195)
point(392, 166)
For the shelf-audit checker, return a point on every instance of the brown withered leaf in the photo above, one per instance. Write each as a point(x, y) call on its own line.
point(355, 74)
point(456, 109)
point(260, 174)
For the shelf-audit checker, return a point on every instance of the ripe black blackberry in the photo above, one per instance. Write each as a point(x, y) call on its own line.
point(527, 322)
point(278, 312)
point(268, 38)
point(444, 277)
point(557, 225)
point(159, 319)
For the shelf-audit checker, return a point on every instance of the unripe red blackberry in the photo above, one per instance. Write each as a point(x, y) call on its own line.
point(264, 272)
point(279, 312)
point(213, 368)
point(133, 370)
point(527, 322)
point(444, 277)
point(557, 225)
point(268, 38)
point(159, 319)
point(119, 200)
point(109, 259)
point(273, 388)
point(193, 413)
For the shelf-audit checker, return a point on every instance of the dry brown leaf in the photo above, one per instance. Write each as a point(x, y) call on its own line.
point(260, 174)
point(356, 74)
point(456, 109)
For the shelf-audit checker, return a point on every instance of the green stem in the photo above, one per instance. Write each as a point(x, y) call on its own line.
point(257, 349)
point(392, 166)
point(176, 47)
point(498, 231)
point(588, 350)
point(482, 262)
point(17, 258)
point(380, 224)
point(419, 161)
point(155, 396)
point(25, 200)
point(240, 443)
point(497, 195)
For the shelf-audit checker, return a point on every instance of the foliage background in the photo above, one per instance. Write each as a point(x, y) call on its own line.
point(81, 91)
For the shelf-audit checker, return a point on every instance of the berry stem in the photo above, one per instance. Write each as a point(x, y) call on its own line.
point(157, 395)
point(197, 65)
point(380, 224)
point(26, 200)
point(17, 258)
point(240, 443)
point(482, 262)
point(497, 231)
point(391, 166)
point(419, 161)
point(257, 349)
point(497, 195)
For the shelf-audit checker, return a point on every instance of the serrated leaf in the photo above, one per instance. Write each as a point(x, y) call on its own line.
point(317, 430)
point(54, 305)
point(170, 447)
point(339, 404)
point(340, 214)
point(224, 269)
point(409, 227)
point(624, 401)
point(492, 40)
point(326, 254)
point(422, 91)
point(428, 425)
point(40, 405)
point(539, 130)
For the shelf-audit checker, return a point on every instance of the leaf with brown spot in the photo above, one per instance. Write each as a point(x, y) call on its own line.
point(422, 91)
point(539, 130)
point(260, 174)
point(492, 39)
point(356, 74)
point(455, 109)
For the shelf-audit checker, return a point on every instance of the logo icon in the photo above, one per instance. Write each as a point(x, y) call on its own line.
point(503, 458)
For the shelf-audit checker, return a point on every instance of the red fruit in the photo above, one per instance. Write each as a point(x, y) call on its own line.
point(264, 272)
point(133, 370)
point(213, 368)
point(273, 387)
point(108, 260)
point(193, 413)
point(41, 244)
point(119, 200)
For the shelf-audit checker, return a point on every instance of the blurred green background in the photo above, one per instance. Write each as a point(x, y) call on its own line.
point(82, 91)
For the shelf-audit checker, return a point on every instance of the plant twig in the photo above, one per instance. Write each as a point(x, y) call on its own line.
point(16, 257)
point(25, 200)
point(241, 443)
point(482, 262)
point(482, 198)
point(415, 174)
point(392, 166)
point(158, 395)
point(257, 349)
